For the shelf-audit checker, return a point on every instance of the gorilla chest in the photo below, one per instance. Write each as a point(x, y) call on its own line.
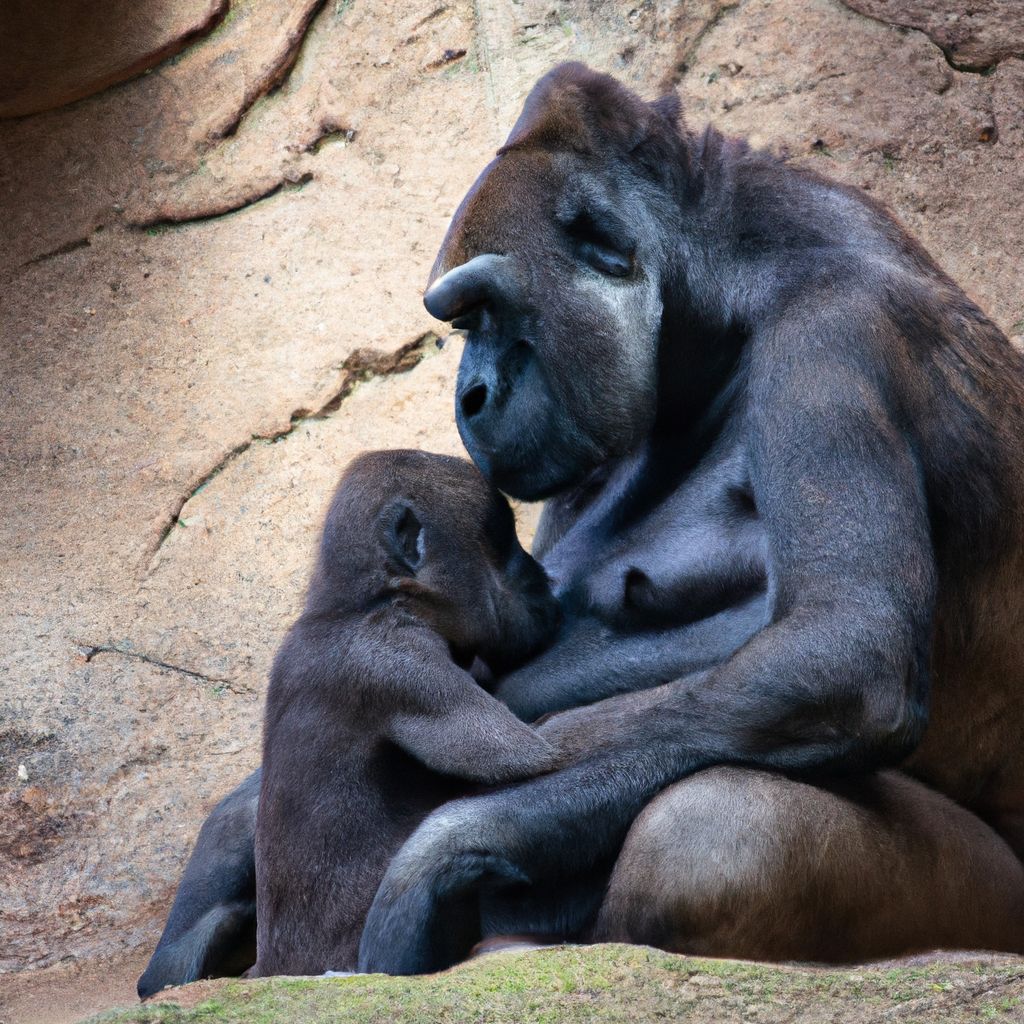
point(659, 546)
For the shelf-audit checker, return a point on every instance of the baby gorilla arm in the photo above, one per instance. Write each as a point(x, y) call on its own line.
point(445, 720)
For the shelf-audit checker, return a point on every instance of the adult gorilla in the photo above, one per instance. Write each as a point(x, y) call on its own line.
point(781, 452)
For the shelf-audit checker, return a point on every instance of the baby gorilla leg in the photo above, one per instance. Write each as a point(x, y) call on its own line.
point(211, 930)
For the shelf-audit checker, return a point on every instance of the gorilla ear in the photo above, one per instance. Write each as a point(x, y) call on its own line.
point(405, 537)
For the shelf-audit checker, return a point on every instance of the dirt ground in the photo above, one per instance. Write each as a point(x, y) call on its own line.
point(217, 222)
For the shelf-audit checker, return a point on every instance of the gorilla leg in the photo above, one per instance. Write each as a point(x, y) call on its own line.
point(211, 930)
point(744, 863)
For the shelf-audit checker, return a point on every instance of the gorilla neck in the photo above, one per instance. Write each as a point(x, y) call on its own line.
point(698, 374)
point(734, 259)
point(753, 232)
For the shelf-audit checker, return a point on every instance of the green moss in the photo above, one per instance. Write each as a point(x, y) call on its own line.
point(599, 984)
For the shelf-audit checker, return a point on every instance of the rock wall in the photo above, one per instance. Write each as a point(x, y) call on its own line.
point(211, 278)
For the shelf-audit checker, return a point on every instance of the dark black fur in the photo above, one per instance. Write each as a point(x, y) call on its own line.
point(667, 310)
point(373, 718)
point(211, 930)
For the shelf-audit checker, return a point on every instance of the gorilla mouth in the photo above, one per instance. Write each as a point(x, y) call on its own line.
point(533, 476)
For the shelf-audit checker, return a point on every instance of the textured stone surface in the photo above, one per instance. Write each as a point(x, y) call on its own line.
point(176, 377)
point(973, 36)
point(55, 51)
point(880, 108)
point(148, 705)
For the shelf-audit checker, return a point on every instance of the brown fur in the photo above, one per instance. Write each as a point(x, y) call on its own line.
point(742, 863)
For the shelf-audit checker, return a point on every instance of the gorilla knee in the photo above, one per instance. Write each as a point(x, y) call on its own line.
point(705, 865)
point(211, 929)
point(221, 943)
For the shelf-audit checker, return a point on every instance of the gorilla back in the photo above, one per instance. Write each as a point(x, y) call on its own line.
point(372, 717)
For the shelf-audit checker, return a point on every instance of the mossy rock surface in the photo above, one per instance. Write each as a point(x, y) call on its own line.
point(611, 984)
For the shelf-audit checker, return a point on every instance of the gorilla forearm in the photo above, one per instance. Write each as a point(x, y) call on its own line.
point(754, 710)
point(619, 754)
point(592, 661)
point(429, 892)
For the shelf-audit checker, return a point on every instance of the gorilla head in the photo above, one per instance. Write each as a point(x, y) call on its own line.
point(556, 266)
point(429, 532)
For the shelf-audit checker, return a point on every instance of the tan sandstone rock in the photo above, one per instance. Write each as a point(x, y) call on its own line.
point(973, 36)
point(57, 51)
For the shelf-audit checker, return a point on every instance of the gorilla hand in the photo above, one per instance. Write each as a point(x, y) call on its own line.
point(426, 914)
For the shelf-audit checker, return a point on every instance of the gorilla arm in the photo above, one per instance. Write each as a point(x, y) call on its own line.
point(447, 721)
point(591, 660)
point(837, 680)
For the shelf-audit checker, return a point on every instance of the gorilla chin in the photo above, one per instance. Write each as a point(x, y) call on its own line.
point(527, 475)
point(530, 440)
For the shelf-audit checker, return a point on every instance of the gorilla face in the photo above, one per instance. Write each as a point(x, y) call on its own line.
point(554, 267)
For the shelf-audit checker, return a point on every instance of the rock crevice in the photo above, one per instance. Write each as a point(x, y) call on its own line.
point(362, 365)
point(90, 651)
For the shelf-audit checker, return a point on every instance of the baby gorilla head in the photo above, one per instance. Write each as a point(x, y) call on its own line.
point(429, 532)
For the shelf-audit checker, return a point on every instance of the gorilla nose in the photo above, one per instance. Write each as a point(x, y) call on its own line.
point(473, 399)
point(485, 279)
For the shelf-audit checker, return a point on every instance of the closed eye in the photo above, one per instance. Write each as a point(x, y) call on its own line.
point(599, 247)
point(604, 258)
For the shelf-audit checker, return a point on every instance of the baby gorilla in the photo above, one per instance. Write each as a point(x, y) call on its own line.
point(373, 718)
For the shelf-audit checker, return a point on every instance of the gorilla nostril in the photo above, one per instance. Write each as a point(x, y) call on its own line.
point(474, 400)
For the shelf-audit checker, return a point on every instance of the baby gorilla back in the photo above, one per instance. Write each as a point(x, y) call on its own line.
point(371, 720)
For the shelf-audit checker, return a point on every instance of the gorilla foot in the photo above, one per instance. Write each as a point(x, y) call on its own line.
point(218, 944)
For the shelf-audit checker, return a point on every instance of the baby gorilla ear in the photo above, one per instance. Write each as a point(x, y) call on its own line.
point(405, 537)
